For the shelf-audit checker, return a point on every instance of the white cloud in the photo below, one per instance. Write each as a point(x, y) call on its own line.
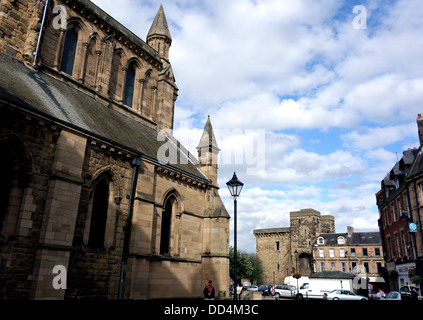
point(377, 137)
point(283, 68)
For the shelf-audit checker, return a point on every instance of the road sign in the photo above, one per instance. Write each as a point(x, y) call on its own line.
point(412, 226)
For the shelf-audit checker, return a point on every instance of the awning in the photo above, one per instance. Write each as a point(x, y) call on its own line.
point(376, 279)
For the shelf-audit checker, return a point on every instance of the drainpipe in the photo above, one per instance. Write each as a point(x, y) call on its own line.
point(35, 53)
point(127, 229)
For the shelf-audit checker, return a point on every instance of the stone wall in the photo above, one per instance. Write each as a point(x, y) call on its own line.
point(284, 251)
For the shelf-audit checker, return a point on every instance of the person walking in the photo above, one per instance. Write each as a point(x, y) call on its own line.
point(209, 291)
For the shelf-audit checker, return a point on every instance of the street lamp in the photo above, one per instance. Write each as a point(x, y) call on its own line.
point(235, 187)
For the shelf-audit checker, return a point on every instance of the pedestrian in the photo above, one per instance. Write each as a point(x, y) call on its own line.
point(414, 295)
point(209, 291)
point(380, 295)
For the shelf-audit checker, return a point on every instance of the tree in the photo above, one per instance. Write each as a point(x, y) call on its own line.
point(248, 266)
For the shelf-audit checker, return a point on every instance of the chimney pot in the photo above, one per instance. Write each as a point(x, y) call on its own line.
point(420, 128)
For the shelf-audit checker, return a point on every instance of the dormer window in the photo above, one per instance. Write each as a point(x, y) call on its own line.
point(320, 240)
point(341, 240)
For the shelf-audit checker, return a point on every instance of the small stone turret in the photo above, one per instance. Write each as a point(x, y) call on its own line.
point(208, 152)
point(158, 36)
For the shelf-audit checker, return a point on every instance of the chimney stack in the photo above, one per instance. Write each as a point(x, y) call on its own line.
point(350, 231)
point(420, 128)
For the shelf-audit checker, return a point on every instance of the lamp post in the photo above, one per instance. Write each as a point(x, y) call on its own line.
point(235, 187)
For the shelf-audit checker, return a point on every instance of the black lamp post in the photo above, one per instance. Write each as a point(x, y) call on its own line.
point(235, 187)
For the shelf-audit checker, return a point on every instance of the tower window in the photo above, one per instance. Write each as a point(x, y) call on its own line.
point(69, 51)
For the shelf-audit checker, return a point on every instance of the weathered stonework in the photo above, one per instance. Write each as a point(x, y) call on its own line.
point(82, 184)
point(276, 247)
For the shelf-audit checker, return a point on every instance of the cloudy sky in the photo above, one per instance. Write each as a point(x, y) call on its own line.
point(312, 101)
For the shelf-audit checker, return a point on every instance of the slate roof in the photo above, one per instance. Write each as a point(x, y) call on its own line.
point(357, 238)
point(417, 167)
point(39, 93)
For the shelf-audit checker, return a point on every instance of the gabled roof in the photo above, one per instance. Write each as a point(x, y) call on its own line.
point(41, 94)
point(159, 26)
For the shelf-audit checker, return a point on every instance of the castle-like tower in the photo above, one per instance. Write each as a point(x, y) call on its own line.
point(284, 251)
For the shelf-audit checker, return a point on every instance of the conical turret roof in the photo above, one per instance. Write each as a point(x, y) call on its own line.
point(207, 138)
point(159, 26)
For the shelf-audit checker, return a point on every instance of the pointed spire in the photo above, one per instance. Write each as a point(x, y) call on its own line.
point(207, 138)
point(159, 26)
point(208, 153)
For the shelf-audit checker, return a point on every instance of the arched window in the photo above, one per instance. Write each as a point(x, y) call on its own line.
point(129, 86)
point(166, 226)
point(147, 96)
point(69, 52)
point(99, 214)
point(90, 71)
point(13, 180)
point(6, 172)
point(114, 84)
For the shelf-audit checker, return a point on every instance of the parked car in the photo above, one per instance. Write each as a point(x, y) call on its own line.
point(393, 295)
point(250, 288)
point(340, 294)
point(283, 291)
point(265, 289)
point(406, 294)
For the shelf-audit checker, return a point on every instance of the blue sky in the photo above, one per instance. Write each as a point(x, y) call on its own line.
point(317, 109)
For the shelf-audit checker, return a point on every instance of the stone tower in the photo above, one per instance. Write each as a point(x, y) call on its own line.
point(286, 250)
point(159, 38)
point(208, 152)
point(306, 224)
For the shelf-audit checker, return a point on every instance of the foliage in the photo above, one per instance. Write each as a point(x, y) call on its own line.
point(248, 266)
point(297, 275)
point(416, 279)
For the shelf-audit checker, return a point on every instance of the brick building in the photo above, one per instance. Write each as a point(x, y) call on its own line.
point(93, 182)
point(400, 204)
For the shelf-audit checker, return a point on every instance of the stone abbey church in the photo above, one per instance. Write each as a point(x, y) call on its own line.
point(88, 210)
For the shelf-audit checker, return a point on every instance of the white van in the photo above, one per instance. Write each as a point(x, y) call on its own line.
point(315, 288)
